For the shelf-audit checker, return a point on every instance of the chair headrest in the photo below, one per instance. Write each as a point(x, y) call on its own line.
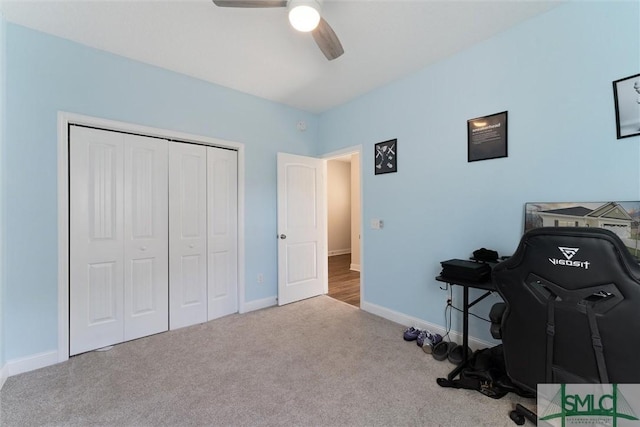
point(577, 257)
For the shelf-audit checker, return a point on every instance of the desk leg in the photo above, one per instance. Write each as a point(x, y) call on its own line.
point(465, 324)
point(465, 334)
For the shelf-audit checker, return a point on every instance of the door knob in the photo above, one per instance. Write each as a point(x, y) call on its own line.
point(192, 246)
point(283, 236)
point(143, 248)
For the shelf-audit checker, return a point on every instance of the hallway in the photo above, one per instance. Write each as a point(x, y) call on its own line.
point(344, 284)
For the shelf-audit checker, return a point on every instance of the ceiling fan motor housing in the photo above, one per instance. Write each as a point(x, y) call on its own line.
point(304, 15)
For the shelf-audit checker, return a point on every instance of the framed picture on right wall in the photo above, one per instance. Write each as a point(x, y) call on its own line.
point(626, 95)
point(487, 137)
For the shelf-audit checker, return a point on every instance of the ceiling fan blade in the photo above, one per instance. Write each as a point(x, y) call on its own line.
point(250, 3)
point(327, 40)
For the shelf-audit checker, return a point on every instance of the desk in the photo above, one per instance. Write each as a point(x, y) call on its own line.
point(489, 287)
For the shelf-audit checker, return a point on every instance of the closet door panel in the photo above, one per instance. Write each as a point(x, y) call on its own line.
point(96, 239)
point(146, 249)
point(222, 214)
point(187, 234)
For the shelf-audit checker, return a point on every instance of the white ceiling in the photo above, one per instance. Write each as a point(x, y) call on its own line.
point(257, 52)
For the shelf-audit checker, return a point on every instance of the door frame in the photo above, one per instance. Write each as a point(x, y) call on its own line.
point(341, 153)
point(65, 119)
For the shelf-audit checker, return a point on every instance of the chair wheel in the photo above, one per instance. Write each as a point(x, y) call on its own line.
point(516, 418)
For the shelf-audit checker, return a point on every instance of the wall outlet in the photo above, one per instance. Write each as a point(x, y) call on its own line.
point(260, 278)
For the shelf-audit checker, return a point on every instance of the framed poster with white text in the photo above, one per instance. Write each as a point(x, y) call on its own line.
point(487, 137)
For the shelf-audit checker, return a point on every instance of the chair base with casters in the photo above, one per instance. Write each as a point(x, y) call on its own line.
point(520, 414)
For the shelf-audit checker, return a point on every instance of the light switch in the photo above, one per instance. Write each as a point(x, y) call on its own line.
point(377, 224)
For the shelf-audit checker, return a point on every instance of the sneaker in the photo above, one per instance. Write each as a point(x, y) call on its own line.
point(430, 343)
point(411, 334)
point(423, 336)
point(428, 338)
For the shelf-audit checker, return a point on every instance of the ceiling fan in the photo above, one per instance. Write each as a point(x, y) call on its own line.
point(304, 16)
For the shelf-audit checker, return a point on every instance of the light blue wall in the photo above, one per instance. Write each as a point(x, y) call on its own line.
point(2, 131)
point(46, 74)
point(554, 75)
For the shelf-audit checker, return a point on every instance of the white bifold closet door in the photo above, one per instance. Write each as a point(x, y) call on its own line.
point(153, 236)
point(222, 230)
point(188, 234)
point(118, 286)
point(203, 233)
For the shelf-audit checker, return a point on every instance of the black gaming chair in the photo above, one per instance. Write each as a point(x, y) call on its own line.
point(572, 308)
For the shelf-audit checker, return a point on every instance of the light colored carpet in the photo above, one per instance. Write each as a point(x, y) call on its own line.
point(318, 362)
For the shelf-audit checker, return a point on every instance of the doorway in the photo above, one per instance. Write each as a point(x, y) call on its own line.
point(343, 228)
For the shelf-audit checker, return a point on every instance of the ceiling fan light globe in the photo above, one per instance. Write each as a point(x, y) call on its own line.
point(304, 17)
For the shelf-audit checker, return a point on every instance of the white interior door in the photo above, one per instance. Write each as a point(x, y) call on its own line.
point(187, 234)
point(222, 230)
point(96, 239)
point(302, 249)
point(146, 236)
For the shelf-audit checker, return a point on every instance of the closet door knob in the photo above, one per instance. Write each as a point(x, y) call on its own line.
point(283, 236)
point(192, 246)
point(143, 248)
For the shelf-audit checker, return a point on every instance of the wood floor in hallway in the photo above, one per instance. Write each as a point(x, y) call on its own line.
point(344, 284)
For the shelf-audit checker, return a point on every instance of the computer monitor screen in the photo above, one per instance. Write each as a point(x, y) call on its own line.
point(620, 217)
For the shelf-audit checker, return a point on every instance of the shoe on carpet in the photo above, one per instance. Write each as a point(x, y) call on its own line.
point(441, 350)
point(426, 337)
point(455, 355)
point(411, 334)
point(430, 342)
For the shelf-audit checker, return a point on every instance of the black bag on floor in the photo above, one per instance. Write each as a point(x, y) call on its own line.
point(485, 372)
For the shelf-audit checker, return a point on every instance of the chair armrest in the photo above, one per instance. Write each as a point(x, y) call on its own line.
point(495, 315)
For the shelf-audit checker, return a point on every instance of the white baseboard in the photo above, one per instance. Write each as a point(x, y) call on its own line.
point(354, 267)
point(340, 252)
point(3, 375)
point(403, 319)
point(260, 304)
point(30, 363)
